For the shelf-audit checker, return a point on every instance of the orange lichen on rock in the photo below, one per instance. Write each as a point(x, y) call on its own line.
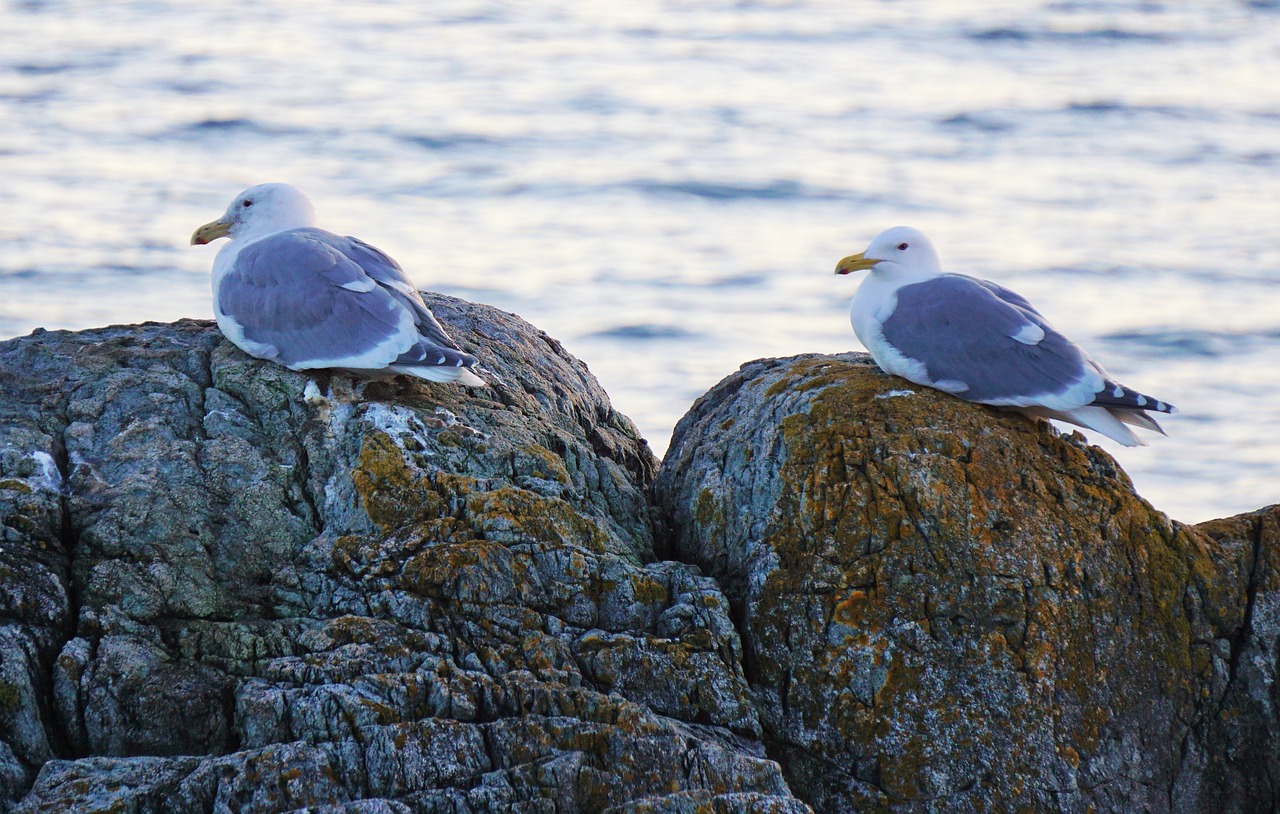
point(946, 601)
point(390, 489)
point(232, 586)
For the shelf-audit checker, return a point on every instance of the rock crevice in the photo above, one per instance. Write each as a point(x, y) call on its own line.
point(228, 586)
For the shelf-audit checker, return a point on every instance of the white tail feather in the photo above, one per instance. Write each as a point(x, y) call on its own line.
point(1138, 418)
point(442, 373)
point(1099, 419)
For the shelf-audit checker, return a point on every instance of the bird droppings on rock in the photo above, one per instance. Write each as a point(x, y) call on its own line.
point(423, 599)
point(427, 599)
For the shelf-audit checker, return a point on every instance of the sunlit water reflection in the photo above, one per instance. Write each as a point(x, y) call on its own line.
point(666, 187)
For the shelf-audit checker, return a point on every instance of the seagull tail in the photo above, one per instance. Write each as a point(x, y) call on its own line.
point(1103, 420)
point(438, 364)
point(441, 373)
point(1116, 396)
point(1138, 418)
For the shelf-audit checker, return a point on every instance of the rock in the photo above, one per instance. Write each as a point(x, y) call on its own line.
point(944, 607)
point(225, 586)
point(228, 586)
point(1240, 757)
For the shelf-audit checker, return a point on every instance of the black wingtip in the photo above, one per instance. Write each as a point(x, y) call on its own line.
point(1116, 395)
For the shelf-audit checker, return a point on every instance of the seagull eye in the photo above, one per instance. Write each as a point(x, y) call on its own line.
point(902, 247)
point(246, 203)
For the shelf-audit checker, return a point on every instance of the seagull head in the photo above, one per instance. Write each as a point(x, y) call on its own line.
point(900, 252)
point(259, 210)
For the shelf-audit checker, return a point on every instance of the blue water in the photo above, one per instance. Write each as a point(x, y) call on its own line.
point(666, 187)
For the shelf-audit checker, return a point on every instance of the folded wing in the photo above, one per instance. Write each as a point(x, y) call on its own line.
point(308, 298)
point(987, 344)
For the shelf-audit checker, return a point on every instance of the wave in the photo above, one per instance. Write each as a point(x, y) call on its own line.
point(643, 331)
point(1162, 342)
point(234, 125)
point(446, 141)
point(1094, 35)
point(977, 121)
point(781, 189)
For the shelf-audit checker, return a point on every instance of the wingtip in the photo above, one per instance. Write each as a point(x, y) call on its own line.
point(466, 377)
point(441, 373)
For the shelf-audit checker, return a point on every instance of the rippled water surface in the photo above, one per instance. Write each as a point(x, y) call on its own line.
point(666, 187)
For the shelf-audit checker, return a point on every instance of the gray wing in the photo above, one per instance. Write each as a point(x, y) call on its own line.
point(304, 304)
point(965, 331)
point(1012, 297)
point(308, 298)
point(389, 274)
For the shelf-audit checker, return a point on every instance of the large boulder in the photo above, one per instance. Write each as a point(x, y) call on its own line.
point(225, 586)
point(948, 608)
point(231, 587)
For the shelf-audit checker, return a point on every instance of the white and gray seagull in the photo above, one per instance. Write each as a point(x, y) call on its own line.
point(289, 292)
point(982, 342)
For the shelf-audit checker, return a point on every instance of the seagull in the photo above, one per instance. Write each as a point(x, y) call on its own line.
point(286, 291)
point(982, 342)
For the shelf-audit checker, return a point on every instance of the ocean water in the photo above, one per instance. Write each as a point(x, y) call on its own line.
point(666, 186)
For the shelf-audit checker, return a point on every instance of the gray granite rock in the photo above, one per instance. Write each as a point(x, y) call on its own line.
point(225, 586)
point(947, 608)
point(232, 587)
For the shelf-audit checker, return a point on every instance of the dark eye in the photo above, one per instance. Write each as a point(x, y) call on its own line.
point(246, 203)
point(902, 247)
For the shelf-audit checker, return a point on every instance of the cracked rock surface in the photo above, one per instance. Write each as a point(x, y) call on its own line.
point(225, 586)
point(228, 587)
point(945, 608)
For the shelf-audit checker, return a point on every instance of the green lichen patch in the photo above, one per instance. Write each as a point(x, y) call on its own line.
point(477, 571)
point(389, 488)
point(543, 463)
point(10, 696)
point(515, 515)
point(648, 590)
point(948, 588)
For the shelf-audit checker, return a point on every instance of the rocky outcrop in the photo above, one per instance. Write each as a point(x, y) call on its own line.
point(948, 609)
point(226, 586)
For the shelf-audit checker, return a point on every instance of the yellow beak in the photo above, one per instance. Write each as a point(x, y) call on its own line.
point(209, 232)
point(854, 262)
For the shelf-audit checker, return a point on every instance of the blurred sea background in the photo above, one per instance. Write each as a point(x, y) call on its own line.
point(666, 186)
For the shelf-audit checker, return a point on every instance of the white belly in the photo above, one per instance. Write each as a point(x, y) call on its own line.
point(874, 302)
